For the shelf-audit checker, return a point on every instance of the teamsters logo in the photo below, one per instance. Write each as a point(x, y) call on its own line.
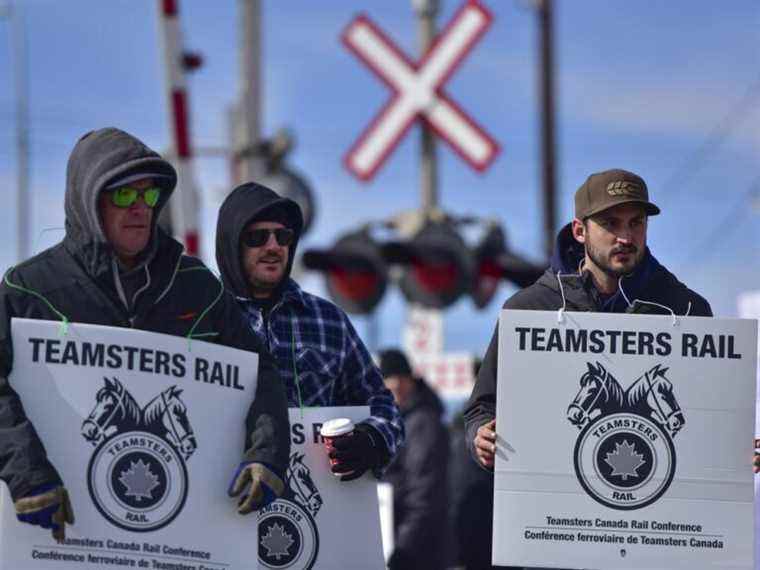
point(624, 455)
point(137, 476)
point(288, 535)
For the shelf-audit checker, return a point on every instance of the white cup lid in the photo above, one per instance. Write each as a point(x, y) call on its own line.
point(336, 427)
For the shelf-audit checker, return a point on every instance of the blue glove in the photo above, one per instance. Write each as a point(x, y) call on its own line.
point(47, 506)
point(264, 486)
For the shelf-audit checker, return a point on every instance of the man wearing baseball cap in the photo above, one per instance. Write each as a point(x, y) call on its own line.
point(601, 263)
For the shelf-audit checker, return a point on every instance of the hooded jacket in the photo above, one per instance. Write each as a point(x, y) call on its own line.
point(650, 289)
point(243, 204)
point(321, 358)
point(420, 484)
point(80, 280)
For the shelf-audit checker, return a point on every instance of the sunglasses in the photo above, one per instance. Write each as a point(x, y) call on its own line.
point(257, 238)
point(125, 196)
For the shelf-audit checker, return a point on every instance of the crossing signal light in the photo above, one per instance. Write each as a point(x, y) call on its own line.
point(355, 272)
point(435, 267)
point(494, 262)
point(520, 271)
point(439, 267)
point(488, 271)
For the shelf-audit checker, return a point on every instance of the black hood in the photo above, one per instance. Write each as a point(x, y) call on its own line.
point(567, 257)
point(241, 206)
point(568, 253)
point(99, 157)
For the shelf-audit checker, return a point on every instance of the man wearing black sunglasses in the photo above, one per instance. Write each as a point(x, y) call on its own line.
point(266, 255)
point(321, 358)
point(116, 267)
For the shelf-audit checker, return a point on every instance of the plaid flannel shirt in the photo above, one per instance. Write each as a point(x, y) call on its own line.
point(313, 338)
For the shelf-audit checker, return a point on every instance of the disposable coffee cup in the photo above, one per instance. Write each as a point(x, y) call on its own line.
point(335, 429)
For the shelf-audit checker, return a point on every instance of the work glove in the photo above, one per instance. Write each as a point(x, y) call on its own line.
point(263, 484)
point(355, 454)
point(48, 506)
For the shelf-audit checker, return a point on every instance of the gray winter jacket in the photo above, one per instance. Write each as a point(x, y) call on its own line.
point(176, 295)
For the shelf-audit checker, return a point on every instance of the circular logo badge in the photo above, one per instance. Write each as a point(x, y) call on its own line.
point(288, 536)
point(624, 461)
point(137, 481)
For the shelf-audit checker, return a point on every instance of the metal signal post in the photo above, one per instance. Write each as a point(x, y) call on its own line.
point(245, 122)
point(427, 10)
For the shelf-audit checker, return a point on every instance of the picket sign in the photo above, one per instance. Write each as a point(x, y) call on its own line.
point(623, 441)
point(749, 308)
point(321, 522)
point(385, 501)
point(145, 430)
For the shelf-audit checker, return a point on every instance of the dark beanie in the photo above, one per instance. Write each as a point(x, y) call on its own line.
point(278, 213)
point(394, 363)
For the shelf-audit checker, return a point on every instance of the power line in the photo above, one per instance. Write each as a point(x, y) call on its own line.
point(677, 181)
point(727, 226)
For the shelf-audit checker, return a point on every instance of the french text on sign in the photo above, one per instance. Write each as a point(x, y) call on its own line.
point(418, 91)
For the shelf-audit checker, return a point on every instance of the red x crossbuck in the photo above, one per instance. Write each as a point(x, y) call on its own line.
point(418, 91)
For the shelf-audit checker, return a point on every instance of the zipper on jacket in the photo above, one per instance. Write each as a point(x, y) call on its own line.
point(171, 281)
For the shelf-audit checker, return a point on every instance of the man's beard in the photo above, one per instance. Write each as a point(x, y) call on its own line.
point(603, 263)
point(262, 284)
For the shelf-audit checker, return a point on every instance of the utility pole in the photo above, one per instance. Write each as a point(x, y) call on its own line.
point(13, 14)
point(245, 119)
point(427, 10)
point(548, 174)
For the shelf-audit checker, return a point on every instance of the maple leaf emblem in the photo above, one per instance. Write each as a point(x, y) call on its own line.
point(624, 460)
point(277, 541)
point(139, 480)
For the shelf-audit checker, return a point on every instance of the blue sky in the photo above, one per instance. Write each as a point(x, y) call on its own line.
point(657, 88)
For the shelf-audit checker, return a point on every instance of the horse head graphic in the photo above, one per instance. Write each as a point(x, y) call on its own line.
point(298, 478)
point(166, 416)
point(651, 395)
point(599, 394)
point(115, 410)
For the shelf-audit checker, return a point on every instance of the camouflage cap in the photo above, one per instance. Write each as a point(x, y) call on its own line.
point(604, 190)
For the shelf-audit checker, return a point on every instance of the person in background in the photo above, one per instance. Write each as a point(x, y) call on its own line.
point(470, 502)
point(419, 472)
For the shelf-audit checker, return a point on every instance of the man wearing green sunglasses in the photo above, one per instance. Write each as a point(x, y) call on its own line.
point(126, 212)
point(116, 267)
point(126, 196)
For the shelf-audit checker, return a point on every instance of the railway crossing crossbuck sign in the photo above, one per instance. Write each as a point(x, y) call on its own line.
point(418, 91)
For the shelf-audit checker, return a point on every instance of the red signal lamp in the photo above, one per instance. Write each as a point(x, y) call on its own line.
point(440, 267)
point(355, 273)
